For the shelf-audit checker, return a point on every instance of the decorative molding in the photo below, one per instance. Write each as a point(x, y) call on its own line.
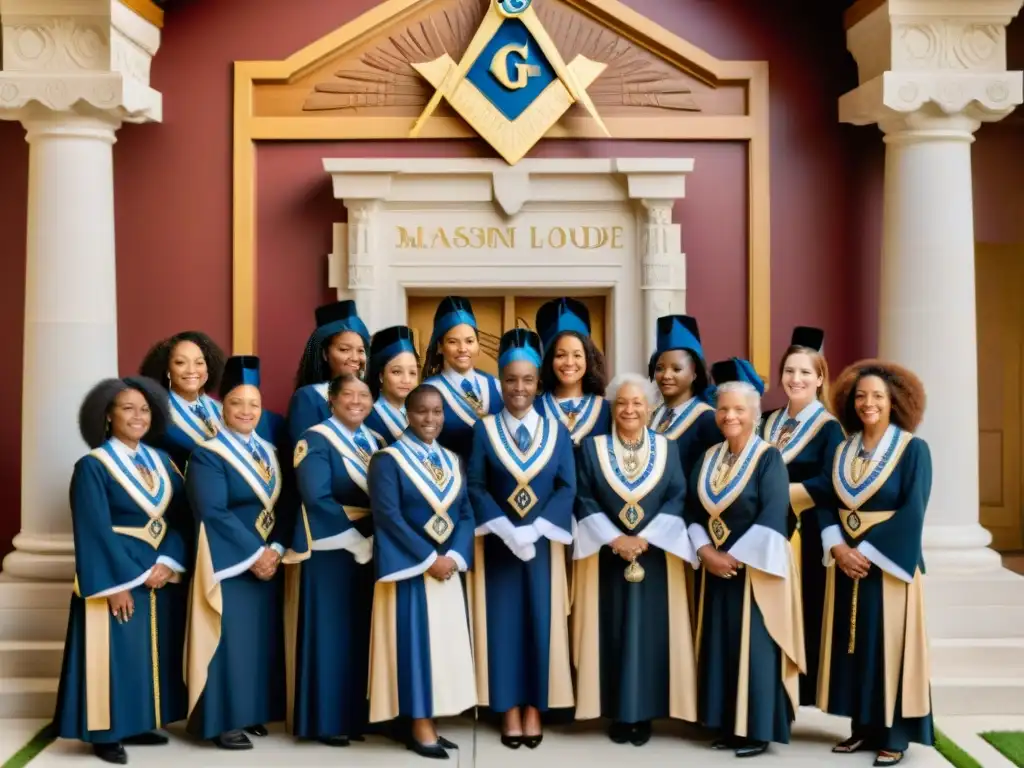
point(271, 99)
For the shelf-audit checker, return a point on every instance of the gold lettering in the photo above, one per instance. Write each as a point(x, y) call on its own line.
point(616, 238)
point(461, 239)
point(524, 71)
point(440, 236)
point(406, 240)
point(557, 237)
point(589, 238)
point(479, 239)
point(534, 242)
point(506, 237)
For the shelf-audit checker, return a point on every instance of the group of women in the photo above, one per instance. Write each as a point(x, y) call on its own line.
point(533, 544)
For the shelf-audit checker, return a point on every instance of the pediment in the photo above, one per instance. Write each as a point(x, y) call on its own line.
point(365, 68)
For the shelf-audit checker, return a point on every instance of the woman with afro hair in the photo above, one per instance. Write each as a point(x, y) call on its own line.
point(874, 663)
point(121, 678)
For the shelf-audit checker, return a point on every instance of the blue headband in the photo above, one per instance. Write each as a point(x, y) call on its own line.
point(351, 324)
point(517, 354)
point(446, 322)
point(250, 377)
point(393, 350)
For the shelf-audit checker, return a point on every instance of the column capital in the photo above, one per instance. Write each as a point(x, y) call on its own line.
point(84, 57)
point(937, 57)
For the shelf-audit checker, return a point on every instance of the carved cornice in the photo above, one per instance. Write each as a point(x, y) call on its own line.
point(945, 57)
point(83, 55)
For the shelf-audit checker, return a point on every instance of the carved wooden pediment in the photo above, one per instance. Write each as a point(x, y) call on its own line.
point(371, 74)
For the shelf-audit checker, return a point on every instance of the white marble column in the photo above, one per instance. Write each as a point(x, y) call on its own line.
point(942, 74)
point(72, 74)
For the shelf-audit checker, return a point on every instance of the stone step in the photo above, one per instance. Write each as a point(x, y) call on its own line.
point(978, 696)
point(27, 697)
point(46, 624)
point(994, 588)
point(958, 657)
point(968, 622)
point(31, 594)
point(30, 658)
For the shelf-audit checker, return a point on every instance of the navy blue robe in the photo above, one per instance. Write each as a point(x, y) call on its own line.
point(459, 415)
point(235, 662)
point(593, 418)
point(421, 659)
point(115, 681)
point(386, 420)
point(525, 501)
point(880, 679)
point(693, 429)
point(807, 454)
point(308, 407)
point(632, 641)
point(743, 511)
point(332, 547)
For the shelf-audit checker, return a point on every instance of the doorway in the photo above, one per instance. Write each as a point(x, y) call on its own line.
point(495, 314)
point(1000, 286)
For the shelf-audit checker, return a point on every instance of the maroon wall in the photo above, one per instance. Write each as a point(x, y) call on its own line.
point(173, 194)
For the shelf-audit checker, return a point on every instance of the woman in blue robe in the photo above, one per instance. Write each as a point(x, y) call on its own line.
point(874, 663)
point(392, 375)
point(121, 677)
point(678, 368)
point(337, 346)
point(750, 646)
point(806, 435)
point(572, 375)
point(234, 652)
point(522, 483)
point(421, 657)
point(632, 639)
point(329, 634)
point(469, 394)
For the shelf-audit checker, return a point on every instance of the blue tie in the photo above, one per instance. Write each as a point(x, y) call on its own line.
point(362, 443)
point(469, 388)
point(200, 410)
point(144, 469)
point(523, 438)
point(259, 453)
point(569, 407)
point(791, 425)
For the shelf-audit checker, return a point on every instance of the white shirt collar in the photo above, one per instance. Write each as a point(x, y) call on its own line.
point(805, 413)
point(124, 451)
point(243, 439)
point(457, 378)
point(530, 420)
point(348, 432)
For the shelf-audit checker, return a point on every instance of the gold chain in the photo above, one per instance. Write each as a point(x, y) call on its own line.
point(155, 654)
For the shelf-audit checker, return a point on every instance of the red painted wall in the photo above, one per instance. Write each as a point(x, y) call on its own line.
point(173, 194)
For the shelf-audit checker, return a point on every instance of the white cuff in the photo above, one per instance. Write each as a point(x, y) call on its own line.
point(458, 559)
point(668, 533)
point(412, 571)
point(238, 568)
point(698, 536)
point(519, 541)
point(871, 553)
point(277, 548)
point(121, 587)
point(764, 549)
point(547, 530)
point(361, 547)
point(171, 563)
point(830, 537)
point(593, 532)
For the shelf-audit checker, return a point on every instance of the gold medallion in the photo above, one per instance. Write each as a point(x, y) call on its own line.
point(571, 419)
point(634, 572)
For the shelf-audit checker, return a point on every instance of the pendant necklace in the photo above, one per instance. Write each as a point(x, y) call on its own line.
point(630, 455)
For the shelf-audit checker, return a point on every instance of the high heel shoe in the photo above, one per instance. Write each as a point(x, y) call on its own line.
point(532, 742)
point(512, 742)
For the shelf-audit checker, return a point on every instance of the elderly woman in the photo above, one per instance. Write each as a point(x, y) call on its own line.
point(678, 368)
point(333, 541)
point(392, 375)
point(750, 647)
point(522, 483)
point(469, 394)
point(121, 677)
point(421, 660)
point(235, 668)
point(337, 346)
point(632, 641)
point(806, 435)
point(874, 665)
point(572, 373)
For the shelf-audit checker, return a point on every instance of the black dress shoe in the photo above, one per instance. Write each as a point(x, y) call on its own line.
point(619, 733)
point(112, 752)
point(640, 734)
point(532, 742)
point(233, 740)
point(726, 742)
point(257, 730)
point(334, 741)
point(751, 748)
point(434, 751)
point(446, 743)
point(148, 739)
point(512, 742)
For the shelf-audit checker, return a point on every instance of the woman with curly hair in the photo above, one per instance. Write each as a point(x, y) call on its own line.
point(572, 373)
point(806, 434)
point(678, 368)
point(874, 663)
point(392, 375)
point(337, 346)
point(121, 677)
point(189, 365)
point(469, 394)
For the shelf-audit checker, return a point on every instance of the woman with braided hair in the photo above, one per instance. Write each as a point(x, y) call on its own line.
point(874, 663)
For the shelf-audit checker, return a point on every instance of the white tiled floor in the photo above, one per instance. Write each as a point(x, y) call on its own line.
point(584, 745)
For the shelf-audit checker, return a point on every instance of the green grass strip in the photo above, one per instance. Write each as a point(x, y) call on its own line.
point(1010, 743)
point(949, 750)
point(30, 751)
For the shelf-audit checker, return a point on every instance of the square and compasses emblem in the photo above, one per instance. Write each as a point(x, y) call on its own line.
point(512, 84)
